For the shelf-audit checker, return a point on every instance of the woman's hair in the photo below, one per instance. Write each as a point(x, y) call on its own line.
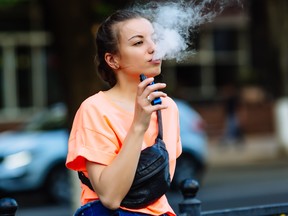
point(107, 40)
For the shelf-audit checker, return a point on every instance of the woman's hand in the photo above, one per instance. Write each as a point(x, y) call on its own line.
point(143, 107)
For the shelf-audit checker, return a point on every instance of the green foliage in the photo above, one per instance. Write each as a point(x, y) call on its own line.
point(10, 3)
point(102, 9)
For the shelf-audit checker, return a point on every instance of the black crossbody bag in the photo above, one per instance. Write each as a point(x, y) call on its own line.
point(152, 177)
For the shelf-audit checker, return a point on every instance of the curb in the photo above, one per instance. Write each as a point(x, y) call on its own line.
point(254, 149)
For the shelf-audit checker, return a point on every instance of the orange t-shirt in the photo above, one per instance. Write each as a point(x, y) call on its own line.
point(99, 129)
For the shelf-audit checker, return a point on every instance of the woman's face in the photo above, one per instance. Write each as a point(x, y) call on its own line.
point(136, 48)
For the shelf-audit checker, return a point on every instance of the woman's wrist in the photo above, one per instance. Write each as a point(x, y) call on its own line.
point(138, 129)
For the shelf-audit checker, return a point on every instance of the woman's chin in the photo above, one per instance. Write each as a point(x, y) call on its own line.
point(154, 73)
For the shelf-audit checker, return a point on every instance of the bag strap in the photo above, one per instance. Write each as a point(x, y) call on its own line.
point(160, 126)
point(85, 180)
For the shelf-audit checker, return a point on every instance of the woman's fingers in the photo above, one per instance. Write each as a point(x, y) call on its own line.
point(156, 94)
point(142, 85)
point(148, 92)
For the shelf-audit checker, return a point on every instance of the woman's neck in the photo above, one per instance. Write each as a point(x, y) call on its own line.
point(123, 96)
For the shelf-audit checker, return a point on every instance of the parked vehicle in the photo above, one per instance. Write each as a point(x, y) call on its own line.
point(192, 161)
point(33, 157)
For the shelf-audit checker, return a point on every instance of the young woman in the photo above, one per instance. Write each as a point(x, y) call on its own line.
point(112, 127)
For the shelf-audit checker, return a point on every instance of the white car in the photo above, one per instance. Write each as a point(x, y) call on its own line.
point(192, 161)
point(34, 157)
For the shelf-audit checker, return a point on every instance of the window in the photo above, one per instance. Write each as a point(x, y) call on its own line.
point(24, 77)
point(221, 59)
point(23, 68)
point(225, 39)
point(189, 75)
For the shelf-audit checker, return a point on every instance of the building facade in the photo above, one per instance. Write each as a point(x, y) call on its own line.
point(227, 55)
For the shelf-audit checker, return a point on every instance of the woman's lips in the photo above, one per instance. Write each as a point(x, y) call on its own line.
point(155, 61)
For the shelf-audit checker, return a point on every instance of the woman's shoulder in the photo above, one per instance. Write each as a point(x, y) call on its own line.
point(172, 110)
point(93, 104)
point(94, 101)
point(99, 96)
point(170, 102)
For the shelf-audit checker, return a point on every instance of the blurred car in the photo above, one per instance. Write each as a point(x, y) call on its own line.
point(192, 161)
point(33, 157)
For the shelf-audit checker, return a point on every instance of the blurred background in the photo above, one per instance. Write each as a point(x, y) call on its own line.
point(237, 83)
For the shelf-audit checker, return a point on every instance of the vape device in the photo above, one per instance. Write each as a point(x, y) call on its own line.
point(156, 100)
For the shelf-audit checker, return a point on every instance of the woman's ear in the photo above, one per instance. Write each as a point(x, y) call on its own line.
point(112, 61)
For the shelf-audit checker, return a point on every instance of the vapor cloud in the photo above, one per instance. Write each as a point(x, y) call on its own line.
point(175, 21)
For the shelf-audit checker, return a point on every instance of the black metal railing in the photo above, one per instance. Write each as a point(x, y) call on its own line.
point(8, 207)
point(190, 206)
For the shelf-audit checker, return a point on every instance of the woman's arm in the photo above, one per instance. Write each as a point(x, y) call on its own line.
point(112, 182)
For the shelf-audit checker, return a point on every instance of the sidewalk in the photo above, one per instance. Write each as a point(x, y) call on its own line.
point(255, 149)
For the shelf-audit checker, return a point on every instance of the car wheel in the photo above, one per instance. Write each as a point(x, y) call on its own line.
point(186, 168)
point(58, 185)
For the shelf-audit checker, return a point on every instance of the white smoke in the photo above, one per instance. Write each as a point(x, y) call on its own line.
point(174, 23)
point(168, 42)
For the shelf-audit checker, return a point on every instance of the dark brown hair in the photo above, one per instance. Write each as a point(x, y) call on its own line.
point(107, 42)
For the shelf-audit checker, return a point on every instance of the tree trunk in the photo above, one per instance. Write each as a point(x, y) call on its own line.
point(71, 24)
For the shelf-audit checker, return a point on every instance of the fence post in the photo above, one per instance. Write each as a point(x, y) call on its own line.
point(190, 206)
point(8, 207)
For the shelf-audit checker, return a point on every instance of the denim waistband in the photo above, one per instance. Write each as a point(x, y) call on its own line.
point(96, 208)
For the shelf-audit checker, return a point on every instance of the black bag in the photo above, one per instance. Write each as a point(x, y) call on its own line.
point(152, 178)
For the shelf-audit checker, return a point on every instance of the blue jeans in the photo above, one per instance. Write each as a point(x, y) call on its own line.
point(96, 208)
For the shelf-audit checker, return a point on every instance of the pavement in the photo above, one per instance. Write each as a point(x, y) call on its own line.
point(254, 149)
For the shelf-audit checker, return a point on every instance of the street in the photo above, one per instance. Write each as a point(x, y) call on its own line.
point(239, 186)
point(231, 186)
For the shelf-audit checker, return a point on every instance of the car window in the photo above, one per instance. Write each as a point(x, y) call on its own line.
point(52, 118)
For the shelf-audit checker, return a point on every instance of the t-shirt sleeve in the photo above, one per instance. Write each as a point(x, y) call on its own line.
point(171, 129)
point(91, 138)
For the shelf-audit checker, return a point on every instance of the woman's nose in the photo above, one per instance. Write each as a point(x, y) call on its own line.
point(152, 47)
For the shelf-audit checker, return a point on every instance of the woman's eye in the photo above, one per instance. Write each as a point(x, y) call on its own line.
point(138, 43)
